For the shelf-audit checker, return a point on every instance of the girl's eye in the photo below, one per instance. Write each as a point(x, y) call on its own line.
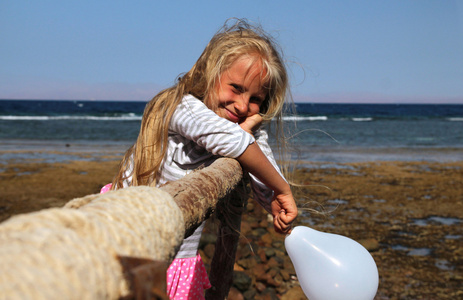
point(236, 88)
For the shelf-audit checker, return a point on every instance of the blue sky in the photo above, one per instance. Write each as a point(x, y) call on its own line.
point(337, 51)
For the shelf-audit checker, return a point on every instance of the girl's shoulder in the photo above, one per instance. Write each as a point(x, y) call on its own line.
point(193, 108)
point(193, 102)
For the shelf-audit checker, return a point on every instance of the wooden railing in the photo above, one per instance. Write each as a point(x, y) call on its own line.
point(119, 244)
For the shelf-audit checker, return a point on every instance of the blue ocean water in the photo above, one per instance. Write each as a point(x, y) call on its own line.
point(314, 126)
point(382, 125)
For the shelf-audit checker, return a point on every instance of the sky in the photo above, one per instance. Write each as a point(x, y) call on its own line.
point(336, 51)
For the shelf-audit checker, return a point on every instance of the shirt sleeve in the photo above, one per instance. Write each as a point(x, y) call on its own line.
point(262, 194)
point(194, 121)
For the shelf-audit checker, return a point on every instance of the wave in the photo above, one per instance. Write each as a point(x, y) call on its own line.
point(325, 118)
point(457, 119)
point(305, 118)
point(127, 117)
point(362, 119)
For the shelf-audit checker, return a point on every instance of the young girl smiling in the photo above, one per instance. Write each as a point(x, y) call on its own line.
point(215, 110)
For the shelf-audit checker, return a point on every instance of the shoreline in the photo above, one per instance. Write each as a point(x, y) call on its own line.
point(408, 214)
point(28, 149)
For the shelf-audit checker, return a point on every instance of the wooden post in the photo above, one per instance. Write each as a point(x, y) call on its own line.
point(229, 213)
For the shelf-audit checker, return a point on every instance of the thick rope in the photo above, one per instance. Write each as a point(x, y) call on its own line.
point(71, 253)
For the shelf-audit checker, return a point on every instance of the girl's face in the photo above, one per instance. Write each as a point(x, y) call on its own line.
point(240, 90)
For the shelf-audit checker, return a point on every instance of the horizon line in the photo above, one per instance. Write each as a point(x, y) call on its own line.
point(315, 101)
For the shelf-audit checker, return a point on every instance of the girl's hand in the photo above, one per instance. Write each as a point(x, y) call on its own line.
point(252, 123)
point(284, 211)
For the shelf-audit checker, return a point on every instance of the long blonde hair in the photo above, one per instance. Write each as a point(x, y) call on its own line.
point(143, 160)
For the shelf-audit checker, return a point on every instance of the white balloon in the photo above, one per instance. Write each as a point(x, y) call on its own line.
point(331, 266)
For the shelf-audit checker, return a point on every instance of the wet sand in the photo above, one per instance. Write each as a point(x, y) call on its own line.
point(408, 214)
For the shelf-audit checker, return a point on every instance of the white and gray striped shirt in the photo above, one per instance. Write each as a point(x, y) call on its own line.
point(198, 136)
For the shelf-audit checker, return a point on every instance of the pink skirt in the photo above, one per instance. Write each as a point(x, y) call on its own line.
point(186, 277)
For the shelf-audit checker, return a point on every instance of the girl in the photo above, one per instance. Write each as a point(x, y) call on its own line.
point(216, 109)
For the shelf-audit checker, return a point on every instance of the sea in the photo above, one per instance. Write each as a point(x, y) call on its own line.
point(318, 132)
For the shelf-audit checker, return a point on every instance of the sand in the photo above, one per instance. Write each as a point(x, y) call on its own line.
point(407, 214)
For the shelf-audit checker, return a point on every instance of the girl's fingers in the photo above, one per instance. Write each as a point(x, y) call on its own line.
point(251, 123)
point(280, 225)
point(285, 217)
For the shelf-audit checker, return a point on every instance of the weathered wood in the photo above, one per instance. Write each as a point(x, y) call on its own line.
point(198, 193)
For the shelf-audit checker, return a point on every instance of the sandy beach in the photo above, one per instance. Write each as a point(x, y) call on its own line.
point(408, 214)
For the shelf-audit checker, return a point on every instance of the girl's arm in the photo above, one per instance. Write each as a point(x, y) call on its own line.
point(194, 121)
point(283, 206)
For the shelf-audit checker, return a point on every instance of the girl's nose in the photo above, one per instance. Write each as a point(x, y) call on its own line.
point(241, 105)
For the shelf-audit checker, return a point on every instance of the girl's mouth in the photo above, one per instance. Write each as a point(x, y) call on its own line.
point(232, 117)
